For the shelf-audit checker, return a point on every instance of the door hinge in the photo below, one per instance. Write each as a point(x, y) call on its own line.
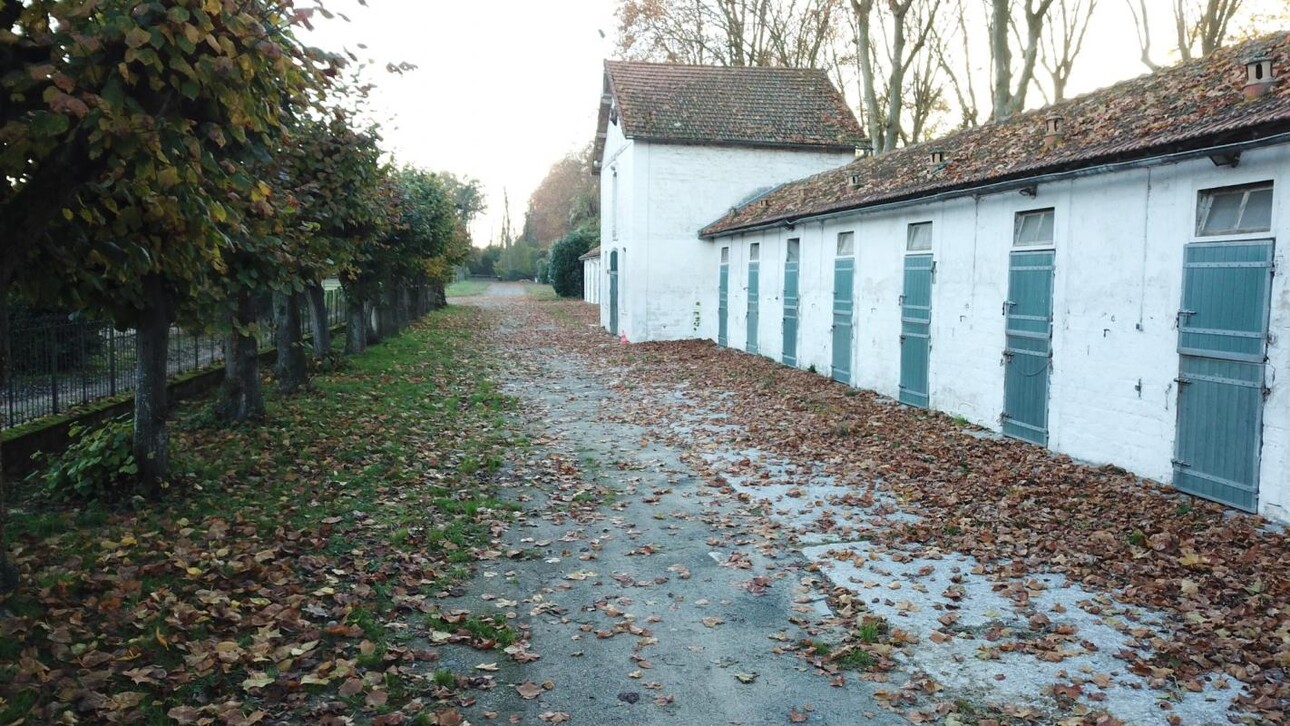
point(1007, 305)
point(1182, 317)
point(1007, 355)
point(1179, 464)
point(1182, 381)
point(900, 301)
point(1267, 391)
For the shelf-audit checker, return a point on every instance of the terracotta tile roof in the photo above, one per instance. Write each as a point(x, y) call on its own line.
point(1187, 107)
point(776, 107)
point(591, 254)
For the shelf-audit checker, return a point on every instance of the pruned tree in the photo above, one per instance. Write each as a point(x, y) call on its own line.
point(137, 221)
point(954, 57)
point(891, 39)
point(1200, 26)
point(1011, 84)
point(793, 33)
point(1062, 41)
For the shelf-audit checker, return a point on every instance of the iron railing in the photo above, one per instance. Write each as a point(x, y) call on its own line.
point(57, 362)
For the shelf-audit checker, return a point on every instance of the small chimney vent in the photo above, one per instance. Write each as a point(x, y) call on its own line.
point(1054, 130)
point(938, 156)
point(1258, 77)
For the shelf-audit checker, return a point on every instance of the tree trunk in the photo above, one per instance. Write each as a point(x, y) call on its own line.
point(8, 574)
point(152, 339)
point(404, 307)
point(1001, 52)
point(437, 297)
point(321, 328)
point(290, 368)
point(356, 330)
point(386, 323)
point(240, 398)
point(371, 320)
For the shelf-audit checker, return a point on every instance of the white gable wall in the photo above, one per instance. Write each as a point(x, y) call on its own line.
point(1119, 241)
point(666, 192)
point(591, 280)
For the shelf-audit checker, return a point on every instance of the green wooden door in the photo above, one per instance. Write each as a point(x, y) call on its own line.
point(1222, 346)
point(1028, 345)
point(613, 292)
point(723, 298)
point(843, 310)
point(915, 330)
point(754, 299)
point(792, 260)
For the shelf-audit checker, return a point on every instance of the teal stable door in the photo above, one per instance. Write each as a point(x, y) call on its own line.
point(1222, 346)
point(1028, 345)
point(915, 330)
point(792, 260)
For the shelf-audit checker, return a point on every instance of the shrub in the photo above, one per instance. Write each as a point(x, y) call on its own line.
point(566, 268)
point(97, 466)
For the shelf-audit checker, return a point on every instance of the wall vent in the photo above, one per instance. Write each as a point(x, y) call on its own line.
point(938, 157)
point(854, 180)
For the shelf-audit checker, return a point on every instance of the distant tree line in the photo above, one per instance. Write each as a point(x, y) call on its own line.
point(920, 66)
point(567, 201)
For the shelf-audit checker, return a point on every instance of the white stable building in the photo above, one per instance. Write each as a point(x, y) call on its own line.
point(1102, 277)
point(591, 277)
point(677, 146)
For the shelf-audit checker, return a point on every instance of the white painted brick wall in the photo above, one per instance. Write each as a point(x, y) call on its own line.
point(1119, 252)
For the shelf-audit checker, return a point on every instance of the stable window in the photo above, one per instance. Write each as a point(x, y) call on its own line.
point(1234, 210)
point(846, 244)
point(613, 204)
point(754, 251)
point(794, 250)
point(725, 255)
point(920, 237)
point(1033, 229)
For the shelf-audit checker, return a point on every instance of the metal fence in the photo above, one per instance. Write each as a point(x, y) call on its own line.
point(57, 362)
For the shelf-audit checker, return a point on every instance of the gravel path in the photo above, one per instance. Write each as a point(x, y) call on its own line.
point(665, 572)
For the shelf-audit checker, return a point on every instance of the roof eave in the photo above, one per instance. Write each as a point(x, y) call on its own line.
point(1252, 137)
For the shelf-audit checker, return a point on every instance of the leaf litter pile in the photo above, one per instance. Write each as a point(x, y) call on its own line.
point(295, 573)
point(1022, 516)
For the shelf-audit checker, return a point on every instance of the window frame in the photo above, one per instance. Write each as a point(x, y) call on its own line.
point(909, 237)
point(850, 236)
point(789, 245)
point(754, 252)
point(1018, 223)
point(1204, 205)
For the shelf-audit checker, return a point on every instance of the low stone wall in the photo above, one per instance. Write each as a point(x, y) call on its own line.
point(50, 435)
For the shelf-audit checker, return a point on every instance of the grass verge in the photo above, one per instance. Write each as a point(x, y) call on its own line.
point(290, 564)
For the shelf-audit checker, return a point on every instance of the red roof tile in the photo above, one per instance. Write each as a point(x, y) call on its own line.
point(1189, 106)
point(776, 107)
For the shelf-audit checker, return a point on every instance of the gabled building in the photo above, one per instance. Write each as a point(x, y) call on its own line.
point(1105, 277)
point(678, 146)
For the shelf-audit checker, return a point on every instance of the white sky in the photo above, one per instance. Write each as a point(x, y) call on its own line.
point(504, 88)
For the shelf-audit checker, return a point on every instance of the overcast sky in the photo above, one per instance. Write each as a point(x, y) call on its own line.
point(504, 88)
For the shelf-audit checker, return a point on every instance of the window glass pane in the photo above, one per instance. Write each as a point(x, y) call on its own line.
point(920, 237)
point(1046, 227)
point(1033, 228)
point(1258, 211)
point(846, 244)
point(1224, 212)
point(725, 255)
point(754, 252)
point(1235, 210)
point(794, 250)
